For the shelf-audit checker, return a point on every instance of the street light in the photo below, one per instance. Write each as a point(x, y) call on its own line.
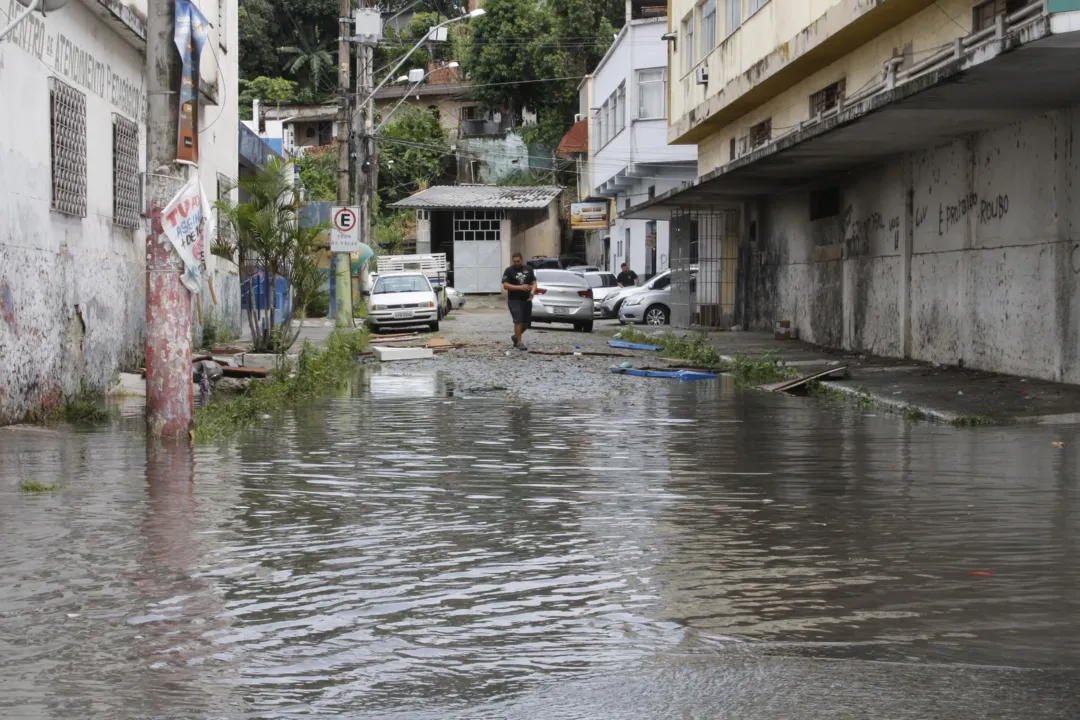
point(473, 14)
point(405, 78)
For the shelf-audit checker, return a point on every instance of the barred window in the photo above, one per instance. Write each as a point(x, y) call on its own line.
point(126, 190)
point(68, 125)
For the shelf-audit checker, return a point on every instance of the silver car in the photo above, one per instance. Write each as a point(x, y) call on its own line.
point(612, 304)
point(652, 307)
point(603, 283)
point(563, 297)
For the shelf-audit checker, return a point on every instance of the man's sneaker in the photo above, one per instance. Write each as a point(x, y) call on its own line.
point(514, 340)
point(521, 346)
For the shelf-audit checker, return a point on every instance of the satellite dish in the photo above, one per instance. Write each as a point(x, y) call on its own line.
point(45, 6)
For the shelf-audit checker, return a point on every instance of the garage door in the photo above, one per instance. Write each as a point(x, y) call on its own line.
point(478, 251)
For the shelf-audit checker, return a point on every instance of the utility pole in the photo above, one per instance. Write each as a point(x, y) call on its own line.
point(365, 162)
point(169, 396)
point(343, 270)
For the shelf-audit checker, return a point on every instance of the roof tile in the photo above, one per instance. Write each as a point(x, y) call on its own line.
point(480, 197)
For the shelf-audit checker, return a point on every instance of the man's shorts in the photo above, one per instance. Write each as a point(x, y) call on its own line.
point(521, 311)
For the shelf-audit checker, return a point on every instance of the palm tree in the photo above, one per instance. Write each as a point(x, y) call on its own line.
point(271, 243)
point(309, 60)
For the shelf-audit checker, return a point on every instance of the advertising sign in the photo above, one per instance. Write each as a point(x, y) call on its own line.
point(189, 34)
point(589, 216)
point(183, 223)
point(345, 234)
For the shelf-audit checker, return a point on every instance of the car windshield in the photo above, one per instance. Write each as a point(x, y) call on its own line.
point(602, 280)
point(401, 284)
point(560, 277)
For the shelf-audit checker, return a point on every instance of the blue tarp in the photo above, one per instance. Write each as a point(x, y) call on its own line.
point(673, 374)
point(632, 346)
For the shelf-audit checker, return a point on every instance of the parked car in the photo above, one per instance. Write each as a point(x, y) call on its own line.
point(563, 297)
point(652, 306)
point(554, 263)
point(611, 305)
point(603, 284)
point(583, 268)
point(402, 299)
point(454, 300)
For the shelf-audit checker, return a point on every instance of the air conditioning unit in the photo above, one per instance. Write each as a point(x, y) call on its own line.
point(701, 75)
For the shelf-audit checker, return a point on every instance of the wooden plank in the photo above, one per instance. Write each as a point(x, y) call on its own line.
point(243, 372)
point(800, 382)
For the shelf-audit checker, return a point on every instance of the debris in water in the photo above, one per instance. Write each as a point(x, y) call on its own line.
point(1058, 444)
point(981, 573)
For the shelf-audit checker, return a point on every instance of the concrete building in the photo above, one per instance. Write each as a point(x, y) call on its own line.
point(629, 158)
point(72, 235)
point(480, 226)
point(893, 177)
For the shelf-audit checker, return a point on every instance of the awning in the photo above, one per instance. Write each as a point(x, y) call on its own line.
point(1032, 70)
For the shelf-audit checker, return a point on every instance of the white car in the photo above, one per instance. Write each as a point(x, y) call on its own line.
point(402, 299)
point(603, 283)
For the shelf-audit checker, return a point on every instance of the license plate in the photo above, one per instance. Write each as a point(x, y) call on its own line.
point(561, 311)
point(401, 314)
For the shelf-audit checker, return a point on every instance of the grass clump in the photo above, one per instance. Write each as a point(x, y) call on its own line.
point(33, 486)
point(79, 409)
point(971, 421)
point(693, 349)
point(751, 372)
point(313, 372)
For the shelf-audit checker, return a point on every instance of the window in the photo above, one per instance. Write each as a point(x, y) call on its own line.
point(761, 133)
point(68, 126)
point(621, 115)
point(470, 112)
point(652, 192)
point(826, 99)
point(731, 150)
point(732, 16)
point(126, 188)
point(605, 113)
point(984, 15)
point(223, 24)
point(627, 203)
point(688, 45)
point(652, 93)
point(599, 126)
point(824, 203)
point(650, 248)
point(708, 27)
point(326, 133)
point(755, 5)
point(478, 226)
point(627, 260)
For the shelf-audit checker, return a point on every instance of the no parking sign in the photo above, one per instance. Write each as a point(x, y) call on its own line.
point(345, 235)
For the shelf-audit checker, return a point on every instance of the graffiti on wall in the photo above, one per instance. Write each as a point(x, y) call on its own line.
point(74, 62)
point(985, 210)
point(858, 231)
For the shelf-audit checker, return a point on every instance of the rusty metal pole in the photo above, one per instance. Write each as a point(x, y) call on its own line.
point(169, 396)
point(343, 314)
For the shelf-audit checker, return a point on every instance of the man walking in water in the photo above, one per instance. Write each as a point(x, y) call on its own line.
point(519, 282)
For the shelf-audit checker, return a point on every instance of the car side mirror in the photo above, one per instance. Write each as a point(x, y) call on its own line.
point(365, 293)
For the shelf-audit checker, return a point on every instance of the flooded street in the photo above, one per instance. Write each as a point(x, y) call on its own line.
point(407, 550)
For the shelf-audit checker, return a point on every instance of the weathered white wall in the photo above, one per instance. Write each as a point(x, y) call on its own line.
point(989, 236)
point(72, 290)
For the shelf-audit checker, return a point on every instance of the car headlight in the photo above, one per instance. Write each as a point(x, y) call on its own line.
point(633, 301)
point(374, 307)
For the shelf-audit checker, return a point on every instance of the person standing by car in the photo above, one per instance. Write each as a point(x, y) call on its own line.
point(519, 282)
point(627, 277)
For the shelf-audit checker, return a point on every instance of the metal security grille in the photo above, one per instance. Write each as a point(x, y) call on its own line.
point(704, 259)
point(126, 193)
point(68, 114)
point(477, 225)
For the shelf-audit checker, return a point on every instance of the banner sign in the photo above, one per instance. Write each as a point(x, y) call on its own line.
point(588, 216)
point(190, 37)
point(185, 220)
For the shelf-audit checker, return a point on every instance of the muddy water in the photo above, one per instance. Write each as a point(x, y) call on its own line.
point(403, 551)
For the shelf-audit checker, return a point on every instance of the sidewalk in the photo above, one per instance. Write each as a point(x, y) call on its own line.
point(940, 393)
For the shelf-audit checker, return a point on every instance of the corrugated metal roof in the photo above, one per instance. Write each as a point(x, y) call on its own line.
point(480, 197)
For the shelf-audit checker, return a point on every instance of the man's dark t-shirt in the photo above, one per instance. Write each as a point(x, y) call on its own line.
point(523, 275)
point(627, 278)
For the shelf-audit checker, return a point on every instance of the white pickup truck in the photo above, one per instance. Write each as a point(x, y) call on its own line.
point(434, 267)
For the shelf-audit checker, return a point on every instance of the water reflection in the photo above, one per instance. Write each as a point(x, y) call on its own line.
point(396, 551)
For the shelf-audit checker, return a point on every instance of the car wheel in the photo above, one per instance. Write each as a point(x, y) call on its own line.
point(656, 315)
point(434, 326)
point(585, 327)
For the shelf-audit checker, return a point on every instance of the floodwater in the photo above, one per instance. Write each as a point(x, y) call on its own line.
point(399, 551)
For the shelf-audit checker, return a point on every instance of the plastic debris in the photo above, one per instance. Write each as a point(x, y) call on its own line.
point(981, 573)
point(626, 365)
point(632, 346)
point(1058, 444)
point(672, 374)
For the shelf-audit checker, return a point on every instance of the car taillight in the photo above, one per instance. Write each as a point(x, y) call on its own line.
point(585, 293)
point(540, 291)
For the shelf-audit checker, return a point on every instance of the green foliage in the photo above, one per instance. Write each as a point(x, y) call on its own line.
point(310, 60)
point(314, 371)
point(80, 409)
point(271, 242)
point(33, 486)
point(695, 350)
point(751, 372)
point(318, 175)
point(265, 90)
point(390, 230)
point(260, 35)
point(414, 153)
point(971, 421)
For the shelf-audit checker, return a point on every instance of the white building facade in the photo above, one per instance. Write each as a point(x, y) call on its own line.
point(629, 158)
point(72, 235)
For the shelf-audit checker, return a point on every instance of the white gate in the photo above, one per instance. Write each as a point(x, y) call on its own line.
point(478, 251)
